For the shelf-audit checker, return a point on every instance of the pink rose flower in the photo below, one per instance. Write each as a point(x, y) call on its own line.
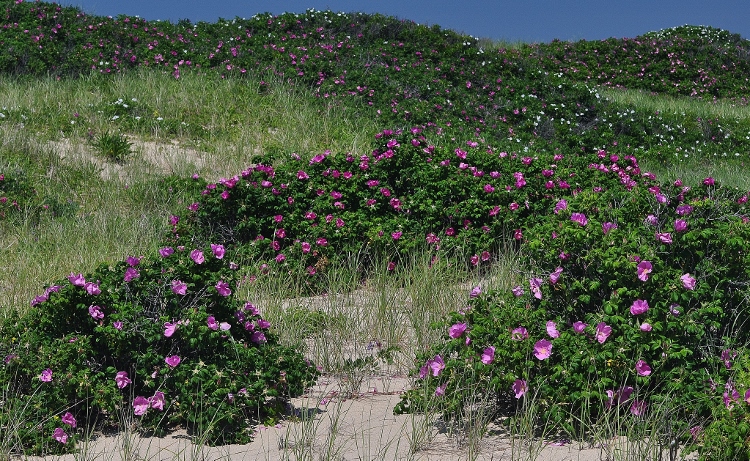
point(642, 368)
point(488, 355)
point(639, 307)
point(519, 388)
point(140, 405)
point(542, 349)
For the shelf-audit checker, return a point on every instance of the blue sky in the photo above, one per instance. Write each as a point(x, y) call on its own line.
point(525, 20)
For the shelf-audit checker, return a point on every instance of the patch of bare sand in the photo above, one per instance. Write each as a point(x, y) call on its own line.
point(324, 426)
point(164, 158)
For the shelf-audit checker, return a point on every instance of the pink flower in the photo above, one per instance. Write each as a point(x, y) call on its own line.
point(117, 325)
point(684, 210)
point(639, 307)
point(77, 280)
point(218, 251)
point(96, 312)
point(552, 329)
point(726, 356)
point(644, 268)
point(519, 334)
point(169, 329)
point(121, 379)
point(440, 390)
point(437, 365)
point(140, 405)
point(731, 395)
point(131, 273)
point(602, 332)
point(555, 276)
point(488, 355)
point(301, 175)
point(258, 337)
point(645, 327)
point(520, 181)
point(664, 237)
point(223, 288)
point(642, 368)
point(173, 360)
point(579, 326)
point(321, 241)
point(542, 349)
point(688, 281)
point(132, 261)
point(561, 205)
point(93, 288)
point(212, 323)
point(60, 435)
point(391, 266)
point(611, 399)
point(157, 401)
point(638, 407)
point(536, 287)
point(519, 388)
point(680, 225)
point(179, 287)
point(280, 258)
point(580, 218)
point(69, 419)
point(197, 256)
point(517, 291)
point(608, 226)
point(457, 330)
point(475, 292)
point(166, 251)
point(625, 393)
point(396, 235)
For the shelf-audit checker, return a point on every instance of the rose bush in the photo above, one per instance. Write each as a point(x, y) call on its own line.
point(634, 313)
point(161, 336)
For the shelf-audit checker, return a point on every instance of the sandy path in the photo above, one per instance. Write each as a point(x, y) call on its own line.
point(325, 426)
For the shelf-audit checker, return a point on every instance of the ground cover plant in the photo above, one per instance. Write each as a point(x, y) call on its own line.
point(627, 314)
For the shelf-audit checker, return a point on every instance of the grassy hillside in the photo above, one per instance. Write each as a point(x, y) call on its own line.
point(329, 151)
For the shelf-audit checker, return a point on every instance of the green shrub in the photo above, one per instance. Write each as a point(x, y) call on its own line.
point(164, 328)
point(634, 291)
point(726, 432)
